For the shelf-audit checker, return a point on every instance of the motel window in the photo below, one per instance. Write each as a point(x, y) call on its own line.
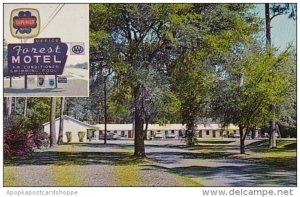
point(234, 131)
point(122, 133)
point(172, 132)
point(166, 132)
point(115, 131)
point(207, 132)
point(108, 131)
point(151, 132)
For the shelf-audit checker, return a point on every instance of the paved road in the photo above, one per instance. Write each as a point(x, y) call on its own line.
point(170, 163)
point(213, 169)
point(77, 86)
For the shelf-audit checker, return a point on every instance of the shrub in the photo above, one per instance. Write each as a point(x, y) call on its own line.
point(41, 139)
point(69, 136)
point(21, 144)
point(81, 135)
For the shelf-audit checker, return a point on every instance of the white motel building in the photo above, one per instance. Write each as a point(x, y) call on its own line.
point(126, 131)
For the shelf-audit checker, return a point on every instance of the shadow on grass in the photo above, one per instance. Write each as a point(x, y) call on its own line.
point(214, 142)
point(283, 163)
point(235, 176)
point(174, 157)
point(214, 147)
point(75, 158)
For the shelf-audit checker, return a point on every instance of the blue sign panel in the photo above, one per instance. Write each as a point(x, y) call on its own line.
point(46, 56)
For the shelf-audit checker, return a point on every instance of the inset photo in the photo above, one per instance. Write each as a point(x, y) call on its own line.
point(46, 50)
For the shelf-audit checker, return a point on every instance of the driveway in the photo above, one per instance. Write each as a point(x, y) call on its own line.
point(223, 166)
point(169, 163)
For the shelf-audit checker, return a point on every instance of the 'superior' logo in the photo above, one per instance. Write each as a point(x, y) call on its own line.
point(25, 23)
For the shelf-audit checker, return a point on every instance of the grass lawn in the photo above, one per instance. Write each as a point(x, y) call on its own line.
point(284, 156)
point(87, 165)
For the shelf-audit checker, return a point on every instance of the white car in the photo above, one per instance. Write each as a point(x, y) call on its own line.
point(158, 135)
point(170, 135)
point(236, 135)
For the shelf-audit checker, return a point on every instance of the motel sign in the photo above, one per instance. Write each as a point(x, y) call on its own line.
point(46, 56)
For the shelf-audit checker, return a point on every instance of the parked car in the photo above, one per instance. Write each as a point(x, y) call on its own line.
point(236, 135)
point(170, 135)
point(109, 136)
point(248, 136)
point(158, 135)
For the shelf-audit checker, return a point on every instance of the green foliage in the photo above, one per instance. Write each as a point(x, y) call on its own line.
point(38, 110)
point(69, 136)
point(167, 53)
point(81, 135)
point(252, 83)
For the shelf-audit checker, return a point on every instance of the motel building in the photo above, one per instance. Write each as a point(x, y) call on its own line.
point(95, 133)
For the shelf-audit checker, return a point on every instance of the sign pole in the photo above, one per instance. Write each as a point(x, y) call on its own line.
point(55, 81)
point(25, 76)
point(10, 81)
point(25, 81)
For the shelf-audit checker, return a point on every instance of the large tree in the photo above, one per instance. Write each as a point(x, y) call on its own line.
point(248, 87)
point(137, 36)
point(180, 42)
point(201, 42)
point(272, 11)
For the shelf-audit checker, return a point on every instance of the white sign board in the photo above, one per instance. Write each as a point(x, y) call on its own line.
point(41, 81)
point(51, 83)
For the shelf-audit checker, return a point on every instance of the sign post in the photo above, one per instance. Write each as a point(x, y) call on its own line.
point(55, 81)
point(25, 78)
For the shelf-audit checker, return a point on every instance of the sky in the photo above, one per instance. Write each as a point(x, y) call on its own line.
point(71, 24)
point(283, 29)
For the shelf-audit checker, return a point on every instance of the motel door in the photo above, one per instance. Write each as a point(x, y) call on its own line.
point(129, 134)
point(214, 133)
point(100, 134)
point(200, 133)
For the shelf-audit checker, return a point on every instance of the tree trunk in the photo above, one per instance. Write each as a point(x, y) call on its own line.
point(272, 131)
point(253, 133)
point(61, 121)
point(15, 105)
point(6, 107)
point(273, 136)
point(146, 128)
point(139, 147)
point(25, 106)
point(52, 122)
point(190, 133)
point(242, 140)
point(268, 26)
point(9, 105)
point(105, 112)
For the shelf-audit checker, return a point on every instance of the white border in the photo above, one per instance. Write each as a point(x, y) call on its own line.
point(135, 191)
